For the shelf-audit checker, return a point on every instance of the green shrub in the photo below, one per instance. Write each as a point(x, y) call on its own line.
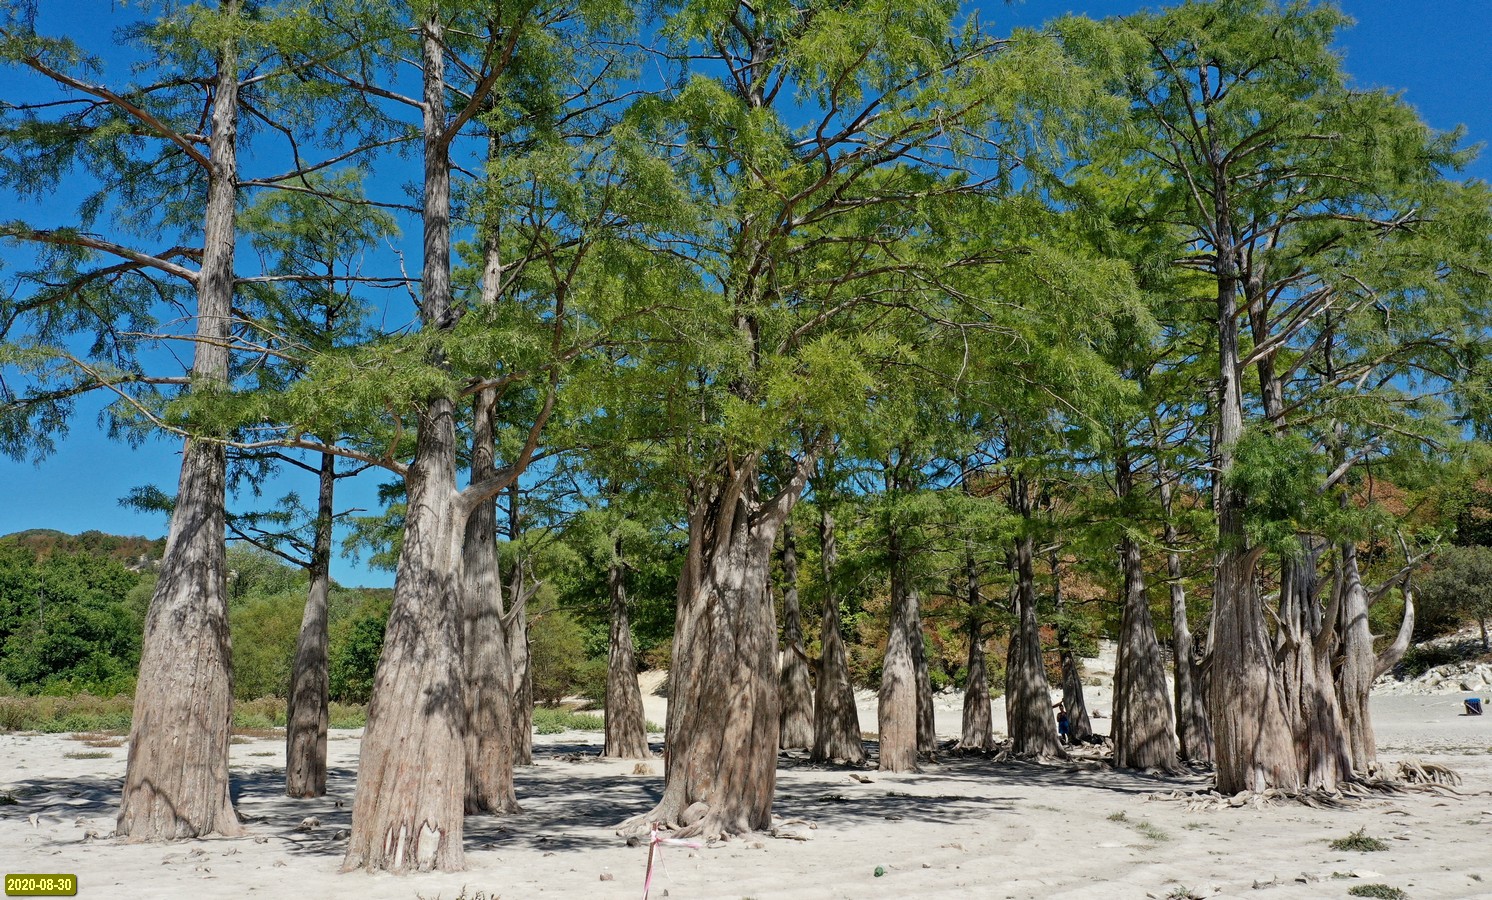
point(356, 643)
point(1359, 841)
point(553, 720)
point(54, 715)
point(557, 654)
point(1381, 891)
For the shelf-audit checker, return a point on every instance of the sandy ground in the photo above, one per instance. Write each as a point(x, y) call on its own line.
point(961, 828)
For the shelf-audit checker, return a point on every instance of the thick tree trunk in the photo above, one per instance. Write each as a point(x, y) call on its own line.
point(176, 778)
point(796, 685)
point(1358, 663)
point(897, 712)
point(721, 760)
point(520, 591)
point(1079, 726)
point(308, 708)
point(836, 721)
point(626, 723)
point(1305, 638)
point(1253, 744)
point(490, 736)
point(927, 735)
point(407, 813)
point(1192, 728)
point(978, 724)
point(1028, 703)
point(489, 693)
point(1144, 732)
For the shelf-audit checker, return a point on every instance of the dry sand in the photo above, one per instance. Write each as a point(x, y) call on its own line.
point(961, 828)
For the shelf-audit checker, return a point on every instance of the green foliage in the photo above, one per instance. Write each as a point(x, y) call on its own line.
point(1381, 891)
point(356, 643)
point(54, 715)
point(553, 720)
point(1457, 588)
point(1360, 842)
point(557, 655)
point(67, 622)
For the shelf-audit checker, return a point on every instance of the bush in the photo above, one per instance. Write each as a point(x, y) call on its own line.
point(356, 643)
point(557, 655)
point(264, 631)
point(1458, 589)
point(53, 715)
point(553, 720)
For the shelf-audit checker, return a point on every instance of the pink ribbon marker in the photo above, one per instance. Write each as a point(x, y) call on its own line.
point(655, 843)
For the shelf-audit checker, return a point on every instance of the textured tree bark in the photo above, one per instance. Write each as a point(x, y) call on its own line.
point(407, 812)
point(927, 736)
point(1358, 663)
point(721, 759)
point(1253, 744)
point(308, 710)
point(796, 686)
point(1192, 728)
point(520, 591)
point(1028, 705)
point(176, 777)
point(626, 723)
point(836, 721)
point(490, 735)
point(489, 693)
point(897, 710)
point(1144, 732)
point(1079, 725)
point(978, 723)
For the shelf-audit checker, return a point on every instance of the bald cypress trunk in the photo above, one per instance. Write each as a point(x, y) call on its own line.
point(897, 709)
point(1193, 731)
point(1079, 725)
point(978, 721)
point(1358, 662)
point(408, 810)
point(520, 661)
point(836, 721)
point(1144, 732)
point(1028, 704)
point(1253, 741)
point(176, 777)
point(308, 710)
point(489, 698)
point(795, 683)
point(723, 716)
point(927, 737)
point(626, 724)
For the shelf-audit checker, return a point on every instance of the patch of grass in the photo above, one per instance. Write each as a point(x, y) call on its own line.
point(348, 715)
point(1194, 826)
point(1359, 841)
point(553, 720)
point(8, 800)
point(88, 754)
point(1152, 832)
point(1381, 891)
point(56, 715)
point(263, 753)
point(1120, 816)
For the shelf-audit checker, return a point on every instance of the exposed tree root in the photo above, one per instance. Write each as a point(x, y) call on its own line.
point(1415, 771)
point(1405, 775)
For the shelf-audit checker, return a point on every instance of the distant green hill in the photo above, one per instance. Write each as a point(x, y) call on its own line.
point(136, 553)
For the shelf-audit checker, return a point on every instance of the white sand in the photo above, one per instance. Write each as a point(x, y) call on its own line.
point(961, 828)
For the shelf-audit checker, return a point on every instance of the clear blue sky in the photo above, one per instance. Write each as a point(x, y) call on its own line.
point(1437, 52)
